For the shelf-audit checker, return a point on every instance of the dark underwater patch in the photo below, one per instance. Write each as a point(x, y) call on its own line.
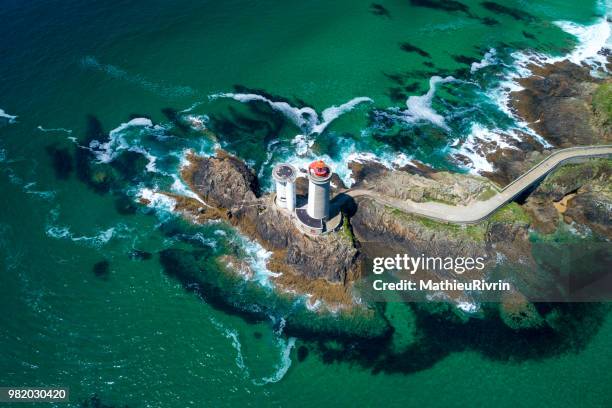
point(515, 13)
point(248, 135)
point(85, 170)
point(413, 87)
point(174, 117)
point(125, 205)
point(529, 35)
point(397, 94)
point(464, 59)
point(101, 269)
point(302, 353)
point(443, 5)
point(442, 333)
point(407, 47)
point(429, 64)
point(140, 255)
point(379, 10)
point(61, 161)
point(489, 21)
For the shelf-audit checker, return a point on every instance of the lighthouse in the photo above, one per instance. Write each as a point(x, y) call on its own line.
point(319, 175)
point(284, 175)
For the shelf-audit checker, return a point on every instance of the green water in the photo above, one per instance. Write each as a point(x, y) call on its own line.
point(131, 333)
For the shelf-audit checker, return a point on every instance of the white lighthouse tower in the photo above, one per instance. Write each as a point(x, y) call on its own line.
point(284, 175)
point(319, 175)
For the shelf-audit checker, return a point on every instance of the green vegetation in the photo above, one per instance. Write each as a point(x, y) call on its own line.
point(475, 232)
point(486, 194)
point(602, 103)
point(577, 174)
point(347, 232)
point(510, 213)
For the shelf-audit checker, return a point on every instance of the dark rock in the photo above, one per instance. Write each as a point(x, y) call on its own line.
point(224, 181)
point(556, 102)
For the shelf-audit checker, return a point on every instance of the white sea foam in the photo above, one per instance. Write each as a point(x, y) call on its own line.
point(472, 147)
point(42, 129)
point(10, 118)
point(156, 200)
point(196, 122)
point(232, 335)
point(257, 258)
point(306, 118)
point(113, 71)
point(179, 187)
point(101, 238)
point(467, 306)
point(117, 142)
point(488, 59)
point(348, 152)
point(283, 366)
point(420, 109)
point(592, 40)
point(29, 188)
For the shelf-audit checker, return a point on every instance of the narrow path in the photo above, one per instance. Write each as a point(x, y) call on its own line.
point(477, 211)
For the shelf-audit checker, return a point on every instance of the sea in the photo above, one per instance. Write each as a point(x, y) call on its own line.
point(101, 101)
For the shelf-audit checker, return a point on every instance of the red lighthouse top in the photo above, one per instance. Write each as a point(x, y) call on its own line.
point(318, 168)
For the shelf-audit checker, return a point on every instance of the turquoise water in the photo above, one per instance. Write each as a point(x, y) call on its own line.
point(81, 309)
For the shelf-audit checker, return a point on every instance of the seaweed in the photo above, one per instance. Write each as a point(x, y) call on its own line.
point(379, 10)
point(407, 47)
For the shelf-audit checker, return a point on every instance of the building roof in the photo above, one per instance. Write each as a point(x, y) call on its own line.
point(319, 171)
point(284, 172)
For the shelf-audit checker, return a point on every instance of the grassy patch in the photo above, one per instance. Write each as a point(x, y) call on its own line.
point(474, 232)
point(602, 103)
point(510, 213)
point(578, 173)
point(347, 232)
point(486, 194)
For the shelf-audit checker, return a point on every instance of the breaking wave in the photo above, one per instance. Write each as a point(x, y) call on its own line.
point(593, 45)
point(306, 118)
point(488, 59)
point(98, 240)
point(42, 129)
point(9, 118)
point(419, 108)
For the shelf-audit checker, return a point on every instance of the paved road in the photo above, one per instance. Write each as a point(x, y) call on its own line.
point(477, 211)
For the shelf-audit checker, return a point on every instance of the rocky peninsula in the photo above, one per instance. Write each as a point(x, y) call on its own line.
point(562, 102)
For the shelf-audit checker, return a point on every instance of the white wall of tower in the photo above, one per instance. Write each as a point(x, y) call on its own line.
point(318, 199)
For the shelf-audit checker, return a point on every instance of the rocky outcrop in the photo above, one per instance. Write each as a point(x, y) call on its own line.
point(384, 231)
point(419, 183)
point(560, 102)
point(590, 187)
point(228, 186)
point(557, 103)
point(222, 181)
